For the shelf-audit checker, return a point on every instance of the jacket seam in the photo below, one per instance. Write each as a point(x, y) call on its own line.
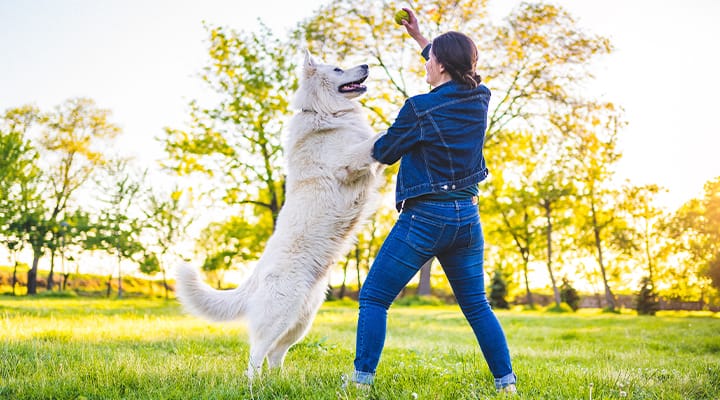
point(445, 104)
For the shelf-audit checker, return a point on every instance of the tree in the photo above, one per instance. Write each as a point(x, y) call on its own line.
point(17, 171)
point(532, 62)
point(71, 231)
point(369, 240)
point(21, 214)
point(168, 219)
point(149, 264)
point(648, 235)
point(695, 228)
point(18, 156)
point(553, 191)
point(236, 143)
point(69, 148)
point(117, 231)
point(237, 240)
point(595, 152)
point(513, 202)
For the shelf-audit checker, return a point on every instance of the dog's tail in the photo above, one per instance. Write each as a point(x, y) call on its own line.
point(201, 300)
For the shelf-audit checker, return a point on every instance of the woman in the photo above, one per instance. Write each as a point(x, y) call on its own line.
point(438, 137)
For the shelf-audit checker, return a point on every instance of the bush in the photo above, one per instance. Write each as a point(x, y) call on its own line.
point(498, 291)
point(569, 295)
point(419, 301)
point(562, 308)
point(646, 302)
point(63, 294)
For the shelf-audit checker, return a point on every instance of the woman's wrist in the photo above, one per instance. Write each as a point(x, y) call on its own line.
point(422, 41)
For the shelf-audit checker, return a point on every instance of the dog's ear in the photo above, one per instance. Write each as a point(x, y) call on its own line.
point(309, 66)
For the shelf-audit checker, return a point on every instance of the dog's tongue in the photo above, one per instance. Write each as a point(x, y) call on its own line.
point(352, 86)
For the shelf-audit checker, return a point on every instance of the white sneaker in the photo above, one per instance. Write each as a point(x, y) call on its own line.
point(509, 389)
point(347, 382)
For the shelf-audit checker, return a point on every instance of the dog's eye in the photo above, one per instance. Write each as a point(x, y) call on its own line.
point(338, 70)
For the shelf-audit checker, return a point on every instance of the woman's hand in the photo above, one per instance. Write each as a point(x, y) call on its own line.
point(413, 29)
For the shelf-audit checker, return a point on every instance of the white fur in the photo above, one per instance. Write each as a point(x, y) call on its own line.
point(331, 189)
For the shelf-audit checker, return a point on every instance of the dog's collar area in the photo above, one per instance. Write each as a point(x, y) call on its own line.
point(335, 114)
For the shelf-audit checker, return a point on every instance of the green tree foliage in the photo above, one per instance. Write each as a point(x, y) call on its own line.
point(512, 205)
point(238, 240)
point(644, 216)
point(695, 230)
point(117, 230)
point(19, 190)
point(236, 143)
point(22, 206)
point(17, 156)
point(534, 63)
point(595, 152)
point(167, 218)
point(70, 148)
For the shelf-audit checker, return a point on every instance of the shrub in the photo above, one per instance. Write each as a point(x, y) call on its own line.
point(646, 302)
point(415, 300)
point(498, 291)
point(569, 295)
point(562, 308)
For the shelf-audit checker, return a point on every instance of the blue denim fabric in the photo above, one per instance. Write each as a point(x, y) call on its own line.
point(438, 138)
point(450, 231)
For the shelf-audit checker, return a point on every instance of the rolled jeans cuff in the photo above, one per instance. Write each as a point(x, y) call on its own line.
point(509, 379)
point(365, 378)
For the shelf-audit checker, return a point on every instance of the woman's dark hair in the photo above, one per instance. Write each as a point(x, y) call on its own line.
point(458, 54)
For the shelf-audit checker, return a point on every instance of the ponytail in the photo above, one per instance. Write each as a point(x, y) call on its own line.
point(457, 53)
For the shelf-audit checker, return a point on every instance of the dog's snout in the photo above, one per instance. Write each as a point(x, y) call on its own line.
point(365, 67)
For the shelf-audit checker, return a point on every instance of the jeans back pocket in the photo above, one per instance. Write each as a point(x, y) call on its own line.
point(424, 234)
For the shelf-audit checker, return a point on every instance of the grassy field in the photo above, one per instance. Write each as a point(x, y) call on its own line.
point(147, 349)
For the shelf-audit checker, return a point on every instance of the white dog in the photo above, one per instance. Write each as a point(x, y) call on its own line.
point(331, 188)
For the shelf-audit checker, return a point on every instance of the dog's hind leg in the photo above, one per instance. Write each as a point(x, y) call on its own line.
point(277, 353)
point(302, 325)
point(263, 336)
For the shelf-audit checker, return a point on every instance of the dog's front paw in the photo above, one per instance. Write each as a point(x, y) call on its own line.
point(343, 173)
point(377, 169)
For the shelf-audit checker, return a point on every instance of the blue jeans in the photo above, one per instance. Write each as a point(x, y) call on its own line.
point(450, 231)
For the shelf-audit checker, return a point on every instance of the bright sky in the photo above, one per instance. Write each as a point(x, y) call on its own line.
point(141, 58)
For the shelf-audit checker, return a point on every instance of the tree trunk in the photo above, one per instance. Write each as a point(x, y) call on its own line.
point(109, 286)
point(424, 286)
point(14, 278)
point(648, 253)
point(548, 217)
point(526, 263)
point(120, 289)
point(51, 275)
point(66, 276)
point(341, 295)
point(32, 273)
point(357, 265)
point(165, 284)
point(609, 297)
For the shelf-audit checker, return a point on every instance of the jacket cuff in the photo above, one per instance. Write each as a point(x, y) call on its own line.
point(426, 52)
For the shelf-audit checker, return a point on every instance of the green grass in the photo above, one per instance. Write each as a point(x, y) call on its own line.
point(75, 348)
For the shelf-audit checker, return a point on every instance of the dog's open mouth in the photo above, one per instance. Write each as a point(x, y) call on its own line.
point(355, 86)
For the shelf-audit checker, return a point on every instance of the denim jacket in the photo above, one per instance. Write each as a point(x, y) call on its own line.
point(438, 138)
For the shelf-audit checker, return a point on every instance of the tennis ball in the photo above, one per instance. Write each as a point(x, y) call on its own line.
point(400, 16)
